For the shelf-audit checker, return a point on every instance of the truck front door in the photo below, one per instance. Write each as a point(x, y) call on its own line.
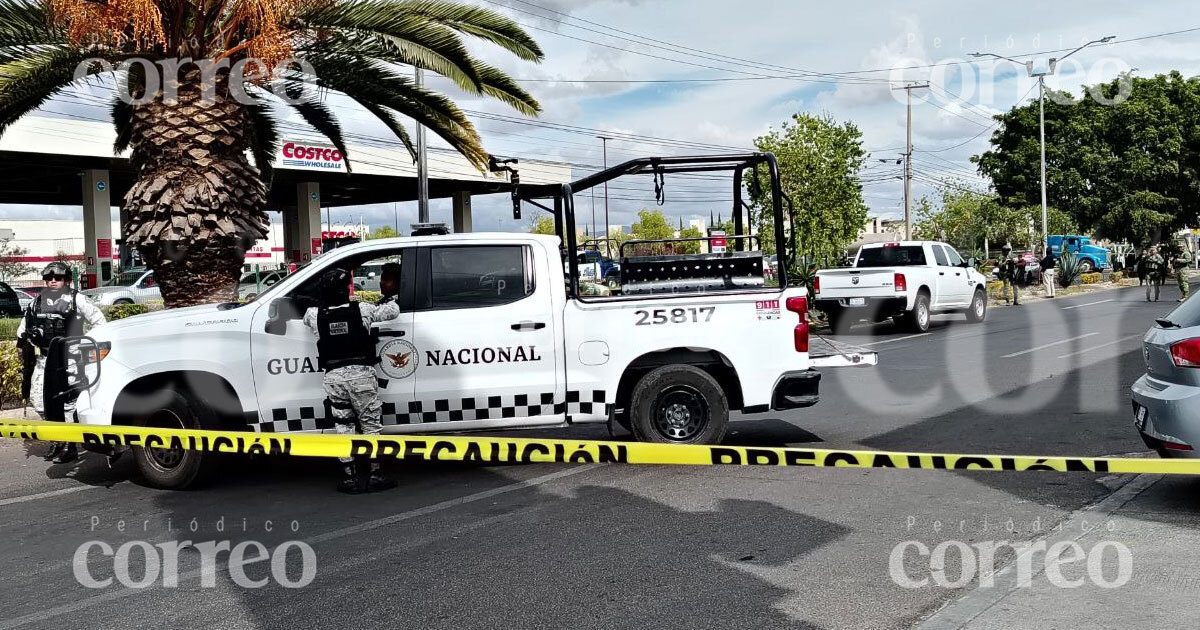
point(486, 335)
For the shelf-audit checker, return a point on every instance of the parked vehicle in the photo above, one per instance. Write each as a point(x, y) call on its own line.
point(131, 287)
point(10, 303)
point(251, 284)
point(597, 265)
point(907, 281)
point(1166, 397)
point(1091, 257)
point(495, 333)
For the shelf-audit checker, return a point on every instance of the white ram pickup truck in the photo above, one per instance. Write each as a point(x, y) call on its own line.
point(496, 332)
point(907, 281)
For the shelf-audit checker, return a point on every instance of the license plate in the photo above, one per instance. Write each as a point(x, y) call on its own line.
point(1139, 418)
point(858, 301)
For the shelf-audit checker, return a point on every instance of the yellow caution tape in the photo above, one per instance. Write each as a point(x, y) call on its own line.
point(503, 450)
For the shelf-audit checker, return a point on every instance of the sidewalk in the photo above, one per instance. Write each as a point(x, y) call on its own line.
point(1156, 517)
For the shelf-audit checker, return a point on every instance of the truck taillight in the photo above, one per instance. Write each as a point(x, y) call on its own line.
point(799, 305)
point(900, 283)
point(1186, 353)
point(817, 284)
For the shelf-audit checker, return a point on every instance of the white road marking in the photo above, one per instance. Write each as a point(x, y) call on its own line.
point(1103, 345)
point(1067, 308)
point(1049, 345)
point(880, 343)
point(88, 602)
point(44, 495)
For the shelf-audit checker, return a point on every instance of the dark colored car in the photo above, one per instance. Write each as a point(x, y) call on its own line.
point(10, 304)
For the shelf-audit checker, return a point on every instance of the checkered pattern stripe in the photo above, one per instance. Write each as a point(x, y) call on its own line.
point(578, 403)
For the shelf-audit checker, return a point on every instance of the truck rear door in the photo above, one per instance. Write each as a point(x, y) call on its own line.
point(485, 331)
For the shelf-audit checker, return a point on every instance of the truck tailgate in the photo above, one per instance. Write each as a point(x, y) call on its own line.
point(866, 282)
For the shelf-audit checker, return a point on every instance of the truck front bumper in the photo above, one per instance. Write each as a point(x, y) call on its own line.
point(794, 390)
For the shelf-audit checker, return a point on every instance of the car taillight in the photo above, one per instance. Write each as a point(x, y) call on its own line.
point(799, 305)
point(817, 284)
point(1186, 353)
point(900, 283)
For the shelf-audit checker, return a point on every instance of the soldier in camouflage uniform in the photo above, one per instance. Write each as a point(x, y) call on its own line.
point(346, 353)
point(1180, 263)
point(1009, 273)
point(1153, 266)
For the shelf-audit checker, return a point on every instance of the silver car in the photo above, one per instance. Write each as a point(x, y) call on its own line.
point(1166, 400)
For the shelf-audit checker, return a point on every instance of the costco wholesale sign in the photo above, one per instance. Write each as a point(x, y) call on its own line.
point(299, 154)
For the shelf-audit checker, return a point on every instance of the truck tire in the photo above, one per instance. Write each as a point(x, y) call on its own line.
point(918, 318)
point(1086, 266)
point(978, 308)
point(679, 404)
point(173, 469)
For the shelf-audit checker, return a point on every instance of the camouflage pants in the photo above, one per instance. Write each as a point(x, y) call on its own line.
point(357, 387)
point(1181, 276)
point(37, 382)
point(1153, 283)
point(1013, 284)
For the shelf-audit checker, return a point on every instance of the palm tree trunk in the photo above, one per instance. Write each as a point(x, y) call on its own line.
point(198, 203)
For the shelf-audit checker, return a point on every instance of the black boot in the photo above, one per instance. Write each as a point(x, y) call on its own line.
point(55, 447)
point(67, 454)
point(351, 477)
point(376, 480)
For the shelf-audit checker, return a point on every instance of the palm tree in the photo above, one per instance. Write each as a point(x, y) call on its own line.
point(198, 200)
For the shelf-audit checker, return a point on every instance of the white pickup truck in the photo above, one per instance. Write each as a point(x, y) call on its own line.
point(906, 281)
point(495, 333)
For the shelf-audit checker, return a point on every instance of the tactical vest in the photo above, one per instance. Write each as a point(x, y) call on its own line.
point(342, 339)
point(49, 320)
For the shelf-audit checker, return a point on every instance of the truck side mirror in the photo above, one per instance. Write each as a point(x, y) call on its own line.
point(279, 313)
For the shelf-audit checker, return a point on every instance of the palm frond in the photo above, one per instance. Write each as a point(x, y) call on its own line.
point(26, 24)
point(401, 37)
point(478, 22)
point(264, 138)
point(375, 83)
point(502, 87)
point(28, 82)
point(122, 117)
point(319, 117)
point(389, 119)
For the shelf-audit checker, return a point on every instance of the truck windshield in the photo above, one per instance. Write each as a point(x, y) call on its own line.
point(895, 256)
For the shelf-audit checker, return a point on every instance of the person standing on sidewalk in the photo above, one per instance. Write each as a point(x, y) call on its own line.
point(1008, 273)
point(1152, 265)
point(1048, 263)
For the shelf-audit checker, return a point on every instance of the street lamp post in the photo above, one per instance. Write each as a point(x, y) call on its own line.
point(1041, 77)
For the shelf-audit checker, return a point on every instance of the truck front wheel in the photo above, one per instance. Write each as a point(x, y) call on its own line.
point(172, 468)
point(1086, 266)
point(679, 404)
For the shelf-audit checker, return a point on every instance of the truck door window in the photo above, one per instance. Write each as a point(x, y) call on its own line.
point(478, 276)
point(940, 256)
point(955, 259)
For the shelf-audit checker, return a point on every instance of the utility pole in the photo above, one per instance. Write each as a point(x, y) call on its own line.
point(1041, 77)
point(607, 226)
point(908, 150)
point(593, 191)
point(422, 163)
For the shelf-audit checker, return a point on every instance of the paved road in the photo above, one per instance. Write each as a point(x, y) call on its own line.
point(601, 546)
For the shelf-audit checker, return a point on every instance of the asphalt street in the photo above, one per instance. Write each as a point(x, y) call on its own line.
point(602, 546)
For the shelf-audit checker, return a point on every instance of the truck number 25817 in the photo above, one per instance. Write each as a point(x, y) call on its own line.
point(674, 316)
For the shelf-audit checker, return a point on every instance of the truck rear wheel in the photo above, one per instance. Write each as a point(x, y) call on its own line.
point(679, 404)
point(918, 318)
point(174, 469)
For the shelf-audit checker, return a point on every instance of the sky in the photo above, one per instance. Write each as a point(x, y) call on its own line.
point(709, 76)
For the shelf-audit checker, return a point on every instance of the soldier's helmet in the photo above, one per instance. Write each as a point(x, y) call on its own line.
point(334, 289)
point(56, 268)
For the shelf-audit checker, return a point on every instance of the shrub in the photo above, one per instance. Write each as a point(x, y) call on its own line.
point(10, 374)
point(8, 328)
point(995, 289)
point(370, 297)
point(1068, 270)
point(121, 311)
point(1116, 276)
point(1089, 278)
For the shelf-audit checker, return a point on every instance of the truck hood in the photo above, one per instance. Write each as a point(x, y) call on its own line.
point(103, 290)
point(183, 319)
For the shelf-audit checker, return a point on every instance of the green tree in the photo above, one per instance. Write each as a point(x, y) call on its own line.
point(202, 138)
point(1125, 169)
point(542, 224)
point(692, 247)
point(652, 224)
point(383, 231)
point(10, 268)
point(819, 164)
